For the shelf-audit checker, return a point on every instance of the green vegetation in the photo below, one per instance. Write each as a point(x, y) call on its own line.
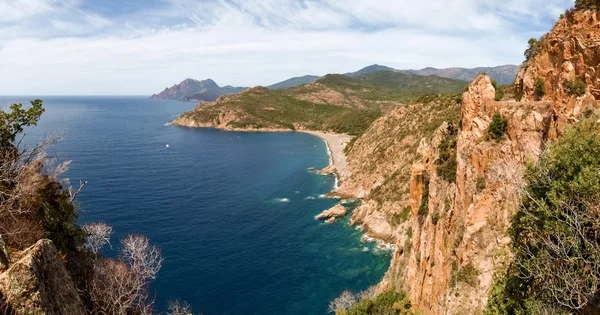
point(335, 103)
point(556, 266)
point(499, 91)
point(539, 88)
point(532, 49)
point(447, 164)
point(396, 219)
point(497, 127)
point(408, 86)
point(435, 217)
point(387, 303)
point(575, 87)
point(466, 274)
point(480, 185)
point(13, 122)
point(261, 108)
point(587, 4)
point(424, 206)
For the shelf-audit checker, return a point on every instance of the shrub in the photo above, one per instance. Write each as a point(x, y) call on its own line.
point(447, 163)
point(587, 4)
point(497, 128)
point(539, 88)
point(533, 46)
point(399, 218)
point(499, 91)
point(467, 274)
point(435, 217)
point(555, 233)
point(575, 87)
point(387, 303)
point(480, 183)
point(424, 206)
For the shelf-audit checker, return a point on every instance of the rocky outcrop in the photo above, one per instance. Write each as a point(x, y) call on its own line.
point(330, 215)
point(190, 90)
point(39, 284)
point(463, 231)
point(569, 52)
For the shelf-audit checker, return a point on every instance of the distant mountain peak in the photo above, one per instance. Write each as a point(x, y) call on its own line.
point(192, 90)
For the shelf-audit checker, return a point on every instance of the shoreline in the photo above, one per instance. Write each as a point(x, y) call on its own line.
point(335, 143)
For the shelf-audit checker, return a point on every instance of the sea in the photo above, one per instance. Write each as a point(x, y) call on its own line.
point(233, 212)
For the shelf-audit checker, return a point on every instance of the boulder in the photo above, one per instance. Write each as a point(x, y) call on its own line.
point(39, 284)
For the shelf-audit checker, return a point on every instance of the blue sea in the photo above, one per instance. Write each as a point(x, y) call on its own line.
point(232, 212)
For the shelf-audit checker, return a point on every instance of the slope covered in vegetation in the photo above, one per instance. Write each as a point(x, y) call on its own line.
point(333, 103)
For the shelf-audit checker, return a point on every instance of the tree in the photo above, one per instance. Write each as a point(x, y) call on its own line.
point(12, 123)
point(532, 48)
point(122, 287)
point(587, 4)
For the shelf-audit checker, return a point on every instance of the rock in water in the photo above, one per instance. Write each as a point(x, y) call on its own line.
point(333, 213)
point(39, 284)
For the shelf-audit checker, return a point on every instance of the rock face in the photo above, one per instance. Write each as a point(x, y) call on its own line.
point(569, 52)
point(333, 213)
point(39, 284)
point(473, 214)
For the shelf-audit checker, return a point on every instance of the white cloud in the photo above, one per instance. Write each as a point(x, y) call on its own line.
point(57, 47)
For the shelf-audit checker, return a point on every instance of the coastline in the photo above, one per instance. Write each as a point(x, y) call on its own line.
point(336, 143)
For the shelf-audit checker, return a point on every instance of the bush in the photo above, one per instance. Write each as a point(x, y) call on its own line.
point(499, 91)
point(480, 183)
point(387, 303)
point(555, 233)
point(447, 163)
point(424, 206)
point(399, 218)
point(467, 274)
point(532, 48)
point(539, 88)
point(497, 128)
point(435, 217)
point(587, 4)
point(575, 87)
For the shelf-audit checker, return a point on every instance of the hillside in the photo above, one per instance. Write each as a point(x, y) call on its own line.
point(190, 90)
point(333, 103)
point(502, 74)
point(296, 81)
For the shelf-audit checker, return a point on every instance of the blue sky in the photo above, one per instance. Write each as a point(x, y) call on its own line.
point(138, 47)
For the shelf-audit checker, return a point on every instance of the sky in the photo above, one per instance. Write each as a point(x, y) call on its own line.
point(139, 47)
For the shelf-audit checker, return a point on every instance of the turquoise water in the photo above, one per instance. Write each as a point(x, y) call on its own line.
point(232, 212)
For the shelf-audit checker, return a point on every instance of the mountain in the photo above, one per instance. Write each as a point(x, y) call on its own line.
point(190, 90)
point(502, 74)
point(294, 82)
point(369, 69)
